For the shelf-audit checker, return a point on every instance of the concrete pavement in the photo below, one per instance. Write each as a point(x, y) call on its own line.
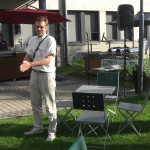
point(15, 95)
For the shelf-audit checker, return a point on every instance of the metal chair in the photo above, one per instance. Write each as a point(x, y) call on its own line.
point(93, 113)
point(67, 106)
point(130, 112)
point(110, 79)
point(79, 144)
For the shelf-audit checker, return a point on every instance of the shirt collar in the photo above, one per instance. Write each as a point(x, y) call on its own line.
point(41, 38)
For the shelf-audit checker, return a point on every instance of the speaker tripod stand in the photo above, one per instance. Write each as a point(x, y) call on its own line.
point(88, 60)
point(125, 21)
point(125, 71)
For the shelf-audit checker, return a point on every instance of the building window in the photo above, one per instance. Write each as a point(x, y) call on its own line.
point(74, 27)
point(146, 26)
point(111, 29)
point(55, 32)
point(91, 21)
point(146, 31)
point(83, 25)
point(113, 33)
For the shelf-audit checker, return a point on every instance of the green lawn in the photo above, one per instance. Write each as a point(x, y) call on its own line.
point(11, 135)
point(12, 138)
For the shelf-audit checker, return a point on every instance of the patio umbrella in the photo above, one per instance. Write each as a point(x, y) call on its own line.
point(146, 20)
point(27, 16)
point(136, 20)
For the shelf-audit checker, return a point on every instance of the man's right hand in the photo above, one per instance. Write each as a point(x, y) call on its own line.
point(25, 66)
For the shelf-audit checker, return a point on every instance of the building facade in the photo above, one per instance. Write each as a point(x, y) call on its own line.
point(87, 28)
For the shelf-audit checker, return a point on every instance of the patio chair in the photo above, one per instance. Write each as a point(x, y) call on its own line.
point(109, 79)
point(67, 106)
point(130, 112)
point(93, 114)
point(79, 144)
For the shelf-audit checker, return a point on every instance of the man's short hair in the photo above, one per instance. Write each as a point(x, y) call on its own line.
point(42, 18)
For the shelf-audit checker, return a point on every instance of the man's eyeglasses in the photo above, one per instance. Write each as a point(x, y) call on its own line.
point(41, 27)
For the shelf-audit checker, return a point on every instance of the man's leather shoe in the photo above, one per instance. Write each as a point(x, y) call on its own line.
point(33, 131)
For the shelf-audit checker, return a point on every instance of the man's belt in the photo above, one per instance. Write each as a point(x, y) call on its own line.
point(39, 71)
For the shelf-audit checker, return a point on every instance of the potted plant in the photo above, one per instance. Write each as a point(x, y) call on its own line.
point(146, 75)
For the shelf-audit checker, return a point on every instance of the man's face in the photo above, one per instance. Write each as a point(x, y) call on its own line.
point(40, 28)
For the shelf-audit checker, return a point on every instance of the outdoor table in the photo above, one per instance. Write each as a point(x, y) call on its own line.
point(111, 68)
point(96, 89)
point(108, 62)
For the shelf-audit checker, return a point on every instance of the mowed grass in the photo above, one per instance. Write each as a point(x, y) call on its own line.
point(11, 135)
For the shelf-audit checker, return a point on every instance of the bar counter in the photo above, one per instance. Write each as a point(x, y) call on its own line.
point(9, 65)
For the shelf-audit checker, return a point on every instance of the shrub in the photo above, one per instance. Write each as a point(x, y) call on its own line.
point(146, 67)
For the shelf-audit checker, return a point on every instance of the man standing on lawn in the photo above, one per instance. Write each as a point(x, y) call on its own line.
point(40, 56)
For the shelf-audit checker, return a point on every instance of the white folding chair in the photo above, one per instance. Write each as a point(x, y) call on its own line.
point(130, 112)
point(67, 106)
point(93, 114)
point(110, 79)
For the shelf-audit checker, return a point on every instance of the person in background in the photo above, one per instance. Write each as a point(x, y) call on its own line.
point(147, 47)
point(3, 43)
point(40, 56)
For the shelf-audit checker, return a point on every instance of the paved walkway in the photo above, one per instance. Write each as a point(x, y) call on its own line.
point(15, 95)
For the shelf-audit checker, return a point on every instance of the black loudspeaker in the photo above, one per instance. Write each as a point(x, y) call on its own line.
point(125, 16)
